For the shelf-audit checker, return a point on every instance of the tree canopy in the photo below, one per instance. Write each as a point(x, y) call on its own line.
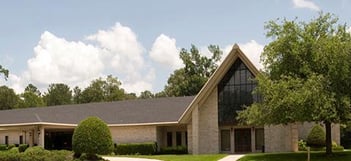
point(188, 81)
point(307, 74)
point(31, 97)
point(58, 94)
point(8, 98)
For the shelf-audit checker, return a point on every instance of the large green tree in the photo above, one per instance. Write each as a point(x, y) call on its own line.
point(58, 94)
point(188, 81)
point(31, 97)
point(8, 98)
point(307, 75)
point(101, 90)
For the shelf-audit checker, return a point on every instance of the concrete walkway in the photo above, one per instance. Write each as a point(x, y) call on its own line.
point(128, 159)
point(233, 157)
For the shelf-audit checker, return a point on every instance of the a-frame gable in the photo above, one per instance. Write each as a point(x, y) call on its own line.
point(216, 77)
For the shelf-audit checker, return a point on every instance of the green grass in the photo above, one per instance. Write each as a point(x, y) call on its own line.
point(301, 156)
point(210, 157)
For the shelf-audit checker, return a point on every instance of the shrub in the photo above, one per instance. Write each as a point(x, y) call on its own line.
point(3, 147)
point(174, 150)
point(136, 148)
point(10, 146)
point(92, 136)
point(302, 145)
point(316, 137)
point(22, 147)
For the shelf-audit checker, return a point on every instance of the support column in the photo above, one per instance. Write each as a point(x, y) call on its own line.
point(294, 137)
point(253, 140)
point(195, 130)
point(41, 136)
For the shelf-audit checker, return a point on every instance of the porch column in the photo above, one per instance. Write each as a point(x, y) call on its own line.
point(195, 130)
point(41, 136)
point(253, 139)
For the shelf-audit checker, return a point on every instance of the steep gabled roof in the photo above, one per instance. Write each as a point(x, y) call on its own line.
point(120, 113)
point(216, 77)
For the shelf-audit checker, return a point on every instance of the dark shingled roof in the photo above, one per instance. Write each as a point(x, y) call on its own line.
point(143, 111)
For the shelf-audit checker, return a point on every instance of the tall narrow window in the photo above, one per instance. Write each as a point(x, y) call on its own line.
point(225, 140)
point(21, 139)
point(186, 138)
point(178, 138)
point(169, 139)
point(6, 140)
point(259, 137)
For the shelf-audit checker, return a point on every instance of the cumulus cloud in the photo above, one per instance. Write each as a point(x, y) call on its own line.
point(57, 60)
point(253, 51)
point(165, 52)
point(305, 4)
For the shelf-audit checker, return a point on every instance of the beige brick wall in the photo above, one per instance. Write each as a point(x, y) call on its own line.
point(134, 134)
point(208, 125)
point(281, 138)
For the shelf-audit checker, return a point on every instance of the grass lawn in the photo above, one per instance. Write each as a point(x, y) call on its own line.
point(301, 156)
point(211, 157)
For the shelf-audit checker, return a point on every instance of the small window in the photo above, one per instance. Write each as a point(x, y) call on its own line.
point(169, 139)
point(259, 137)
point(178, 138)
point(6, 140)
point(20, 139)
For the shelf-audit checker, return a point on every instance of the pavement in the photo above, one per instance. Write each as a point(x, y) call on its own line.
point(128, 159)
point(234, 157)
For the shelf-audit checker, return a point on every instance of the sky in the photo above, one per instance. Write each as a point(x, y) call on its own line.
point(75, 42)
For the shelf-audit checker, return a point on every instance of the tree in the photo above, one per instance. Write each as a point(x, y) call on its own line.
point(146, 95)
point(4, 71)
point(92, 136)
point(8, 98)
point(103, 90)
point(188, 81)
point(58, 94)
point(77, 95)
point(307, 75)
point(31, 97)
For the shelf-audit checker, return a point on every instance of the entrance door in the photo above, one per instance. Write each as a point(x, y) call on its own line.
point(57, 140)
point(242, 140)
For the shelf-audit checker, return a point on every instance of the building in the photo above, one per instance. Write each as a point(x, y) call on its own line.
point(204, 123)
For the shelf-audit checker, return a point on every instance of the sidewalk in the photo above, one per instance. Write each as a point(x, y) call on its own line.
point(233, 157)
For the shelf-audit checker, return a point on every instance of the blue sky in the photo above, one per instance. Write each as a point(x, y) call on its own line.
point(74, 42)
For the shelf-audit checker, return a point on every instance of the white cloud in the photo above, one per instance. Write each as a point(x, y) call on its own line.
point(165, 52)
point(305, 4)
point(57, 60)
point(349, 30)
point(253, 51)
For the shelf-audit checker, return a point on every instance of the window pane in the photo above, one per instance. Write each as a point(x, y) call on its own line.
point(259, 137)
point(178, 138)
point(225, 140)
point(20, 139)
point(169, 139)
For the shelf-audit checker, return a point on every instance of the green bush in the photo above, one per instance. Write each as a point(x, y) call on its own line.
point(92, 136)
point(35, 154)
point(302, 145)
point(22, 147)
point(174, 150)
point(3, 147)
point(10, 146)
point(136, 148)
point(316, 137)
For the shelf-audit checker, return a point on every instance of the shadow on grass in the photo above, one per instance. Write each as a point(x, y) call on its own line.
point(299, 156)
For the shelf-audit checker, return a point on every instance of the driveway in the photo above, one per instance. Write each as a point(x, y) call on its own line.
point(128, 159)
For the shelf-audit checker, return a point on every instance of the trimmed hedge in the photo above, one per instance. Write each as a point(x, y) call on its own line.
point(147, 148)
point(3, 147)
point(92, 136)
point(174, 150)
point(36, 154)
point(22, 147)
point(316, 137)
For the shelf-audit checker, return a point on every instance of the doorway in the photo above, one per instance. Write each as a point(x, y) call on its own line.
point(58, 140)
point(242, 140)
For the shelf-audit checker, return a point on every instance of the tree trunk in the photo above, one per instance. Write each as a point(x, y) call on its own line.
point(328, 139)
